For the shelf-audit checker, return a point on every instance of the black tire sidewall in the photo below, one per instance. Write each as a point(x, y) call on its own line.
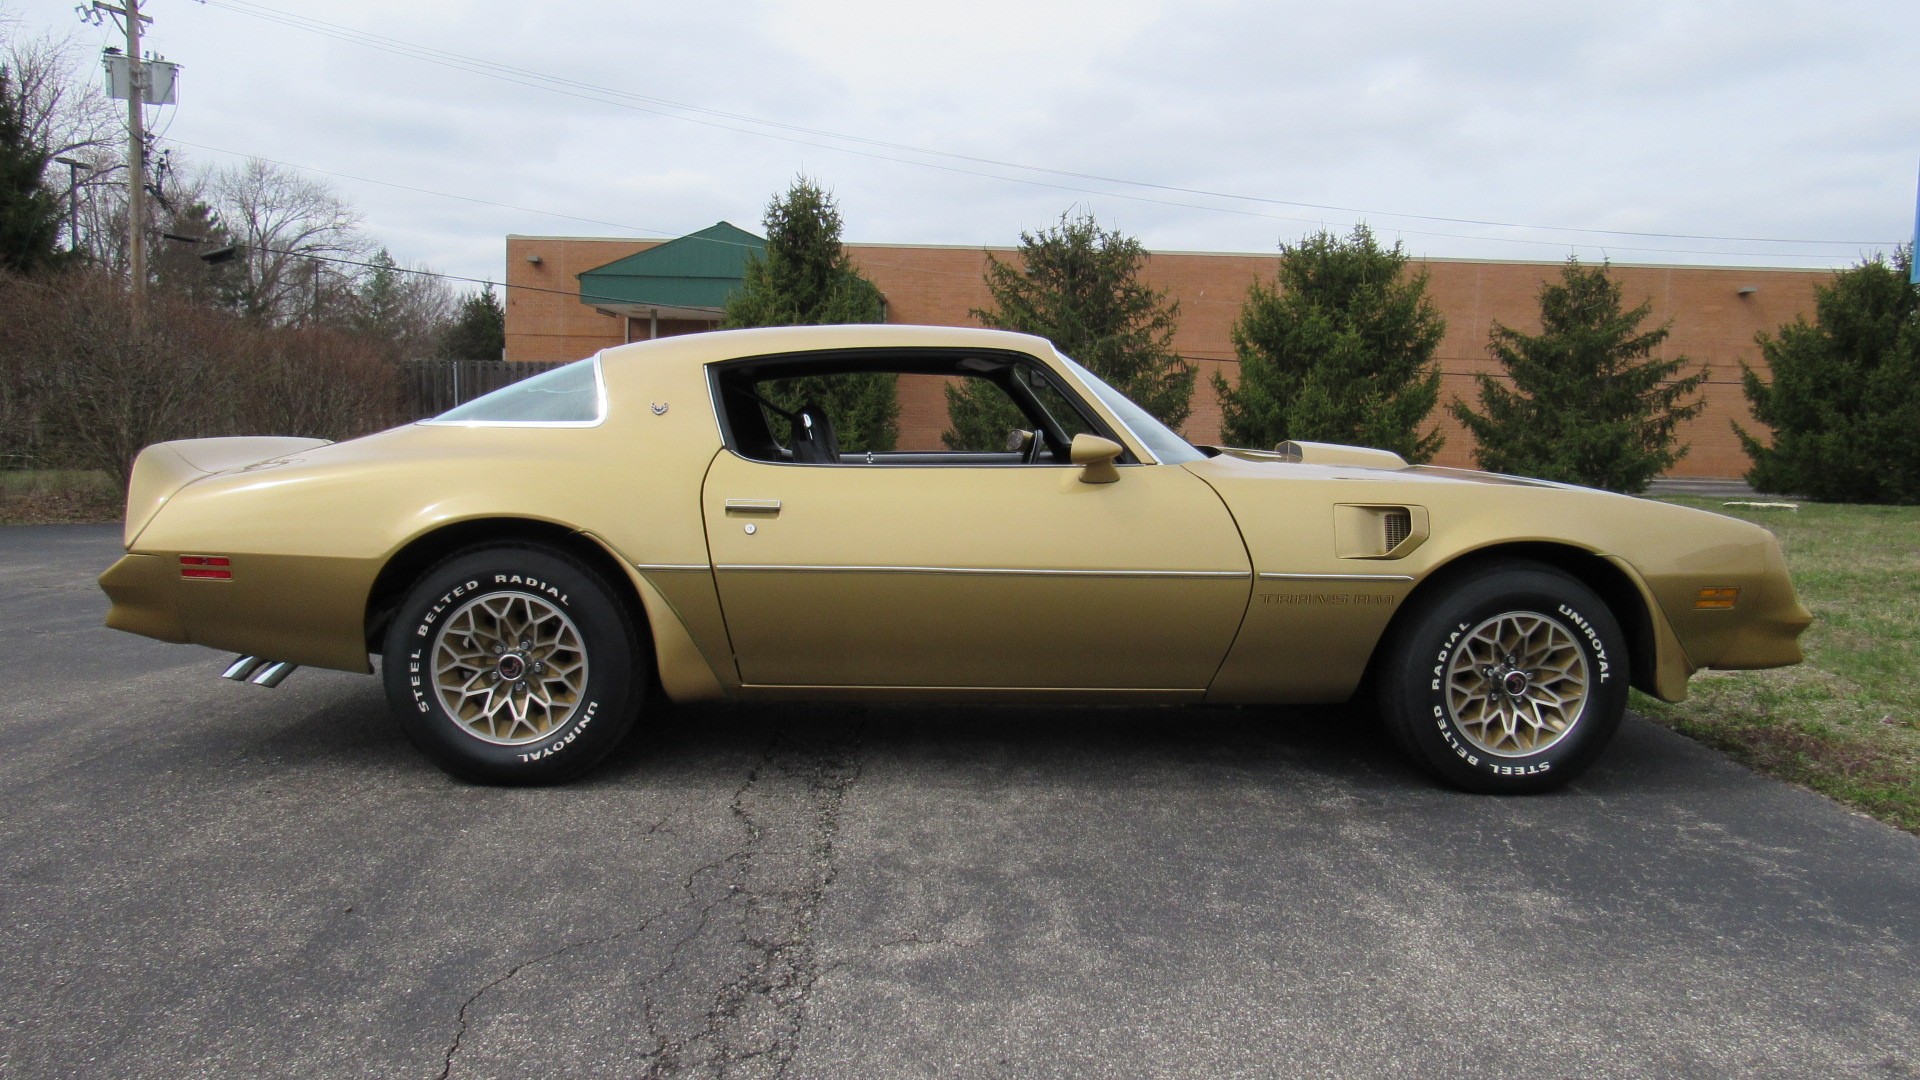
point(616, 678)
point(1415, 698)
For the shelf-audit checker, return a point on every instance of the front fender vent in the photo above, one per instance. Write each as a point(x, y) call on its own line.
point(1396, 524)
point(1378, 532)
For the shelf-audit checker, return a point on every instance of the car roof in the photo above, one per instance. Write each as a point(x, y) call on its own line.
point(714, 346)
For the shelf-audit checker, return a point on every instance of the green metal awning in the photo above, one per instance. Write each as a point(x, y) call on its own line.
point(688, 278)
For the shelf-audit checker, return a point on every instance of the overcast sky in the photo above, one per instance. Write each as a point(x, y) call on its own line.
point(1218, 125)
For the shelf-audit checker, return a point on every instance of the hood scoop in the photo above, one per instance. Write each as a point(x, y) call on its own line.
point(1300, 452)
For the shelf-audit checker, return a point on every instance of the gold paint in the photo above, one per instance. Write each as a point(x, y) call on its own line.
point(1242, 577)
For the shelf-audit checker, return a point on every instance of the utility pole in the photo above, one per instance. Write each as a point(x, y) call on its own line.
point(73, 199)
point(136, 165)
point(136, 153)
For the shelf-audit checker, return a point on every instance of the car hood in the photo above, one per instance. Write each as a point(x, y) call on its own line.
point(1336, 461)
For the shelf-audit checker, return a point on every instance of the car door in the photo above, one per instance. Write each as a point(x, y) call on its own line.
point(1004, 577)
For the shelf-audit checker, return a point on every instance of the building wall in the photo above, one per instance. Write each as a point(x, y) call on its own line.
point(1713, 325)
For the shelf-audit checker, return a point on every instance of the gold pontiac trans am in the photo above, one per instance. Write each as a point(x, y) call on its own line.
point(530, 563)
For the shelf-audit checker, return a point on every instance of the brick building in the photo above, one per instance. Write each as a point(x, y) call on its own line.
point(569, 297)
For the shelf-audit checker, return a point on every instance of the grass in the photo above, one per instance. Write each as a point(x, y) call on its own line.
point(1846, 722)
point(58, 496)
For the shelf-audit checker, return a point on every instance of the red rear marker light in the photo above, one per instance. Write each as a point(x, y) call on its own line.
point(205, 568)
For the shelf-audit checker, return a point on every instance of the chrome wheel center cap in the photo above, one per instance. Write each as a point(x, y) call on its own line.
point(1515, 683)
point(513, 667)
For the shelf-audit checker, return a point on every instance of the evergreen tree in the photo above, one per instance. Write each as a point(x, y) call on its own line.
point(1844, 401)
point(1338, 349)
point(1589, 404)
point(478, 330)
point(1078, 285)
point(406, 312)
point(380, 305)
point(29, 213)
point(806, 279)
point(177, 266)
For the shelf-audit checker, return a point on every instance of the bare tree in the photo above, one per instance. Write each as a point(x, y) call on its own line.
point(64, 110)
point(287, 227)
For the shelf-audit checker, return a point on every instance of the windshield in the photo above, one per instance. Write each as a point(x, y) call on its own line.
point(1164, 443)
point(565, 395)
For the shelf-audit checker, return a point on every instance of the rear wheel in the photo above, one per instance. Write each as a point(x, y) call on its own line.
point(1513, 680)
point(514, 665)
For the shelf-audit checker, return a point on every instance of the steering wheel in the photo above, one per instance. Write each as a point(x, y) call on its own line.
point(1028, 444)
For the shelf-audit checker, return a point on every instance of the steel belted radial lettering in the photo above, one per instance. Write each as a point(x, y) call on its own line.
point(510, 668)
point(1517, 684)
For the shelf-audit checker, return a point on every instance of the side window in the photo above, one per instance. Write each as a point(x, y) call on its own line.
point(1064, 414)
point(972, 414)
point(856, 404)
point(970, 411)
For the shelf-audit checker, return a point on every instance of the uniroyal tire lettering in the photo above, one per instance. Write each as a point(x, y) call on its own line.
point(1593, 638)
point(560, 744)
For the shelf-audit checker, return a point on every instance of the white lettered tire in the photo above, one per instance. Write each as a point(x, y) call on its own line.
point(1511, 680)
point(514, 665)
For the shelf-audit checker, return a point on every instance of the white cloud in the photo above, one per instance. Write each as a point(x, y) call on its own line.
point(1755, 119)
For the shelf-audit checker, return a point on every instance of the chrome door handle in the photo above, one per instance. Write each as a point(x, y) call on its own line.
point(753, 506)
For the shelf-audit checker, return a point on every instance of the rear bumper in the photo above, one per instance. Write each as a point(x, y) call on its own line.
point(141, 588)
point(304, 610)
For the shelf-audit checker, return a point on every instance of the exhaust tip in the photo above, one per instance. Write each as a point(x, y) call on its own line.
point(274, 674)
point(242, 668)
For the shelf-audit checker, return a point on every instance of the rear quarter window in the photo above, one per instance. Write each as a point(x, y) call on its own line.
point(567, 395)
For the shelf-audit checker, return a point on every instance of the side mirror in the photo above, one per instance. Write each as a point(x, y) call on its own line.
point(1095, 455)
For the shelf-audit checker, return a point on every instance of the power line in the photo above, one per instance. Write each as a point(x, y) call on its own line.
point(679, 110)
point(664, 233)
point(614, 299)
point(338, 260)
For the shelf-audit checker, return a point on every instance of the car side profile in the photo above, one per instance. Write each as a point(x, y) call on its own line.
point(686, 512)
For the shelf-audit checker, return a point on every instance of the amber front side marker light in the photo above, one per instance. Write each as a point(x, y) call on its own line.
point(1716, 599)
point(205, 568)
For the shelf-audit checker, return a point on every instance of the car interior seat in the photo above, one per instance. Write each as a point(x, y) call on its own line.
point(814, 442)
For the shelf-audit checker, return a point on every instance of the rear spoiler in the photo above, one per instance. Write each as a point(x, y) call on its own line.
point(164, 468)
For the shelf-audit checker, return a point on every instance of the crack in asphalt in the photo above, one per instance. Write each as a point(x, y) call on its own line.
point(769, 896)
point(460, 1031)
point(776, 916)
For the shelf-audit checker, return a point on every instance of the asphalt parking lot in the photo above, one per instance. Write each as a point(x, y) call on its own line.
point(204, 878)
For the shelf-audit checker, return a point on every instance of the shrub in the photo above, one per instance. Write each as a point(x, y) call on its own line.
point(89, 390)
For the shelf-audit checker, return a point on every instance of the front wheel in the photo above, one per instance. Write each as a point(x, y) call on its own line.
point(514, 665)
point(1510, 681)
